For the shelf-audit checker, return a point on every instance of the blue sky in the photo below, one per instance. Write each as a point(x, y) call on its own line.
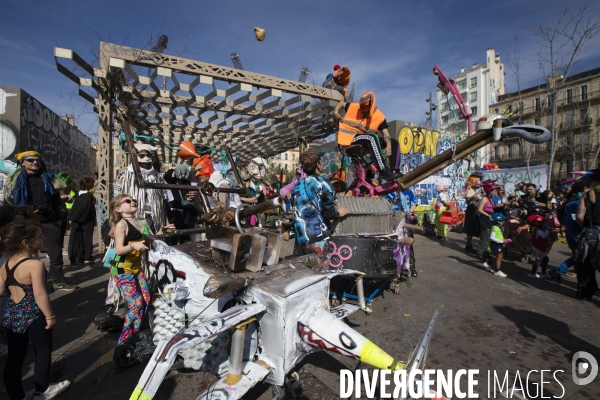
point(390, 46)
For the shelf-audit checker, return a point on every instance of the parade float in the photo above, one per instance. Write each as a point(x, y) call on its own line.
point(229, 305)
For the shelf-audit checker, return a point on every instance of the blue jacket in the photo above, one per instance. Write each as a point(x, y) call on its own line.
point(314, 203)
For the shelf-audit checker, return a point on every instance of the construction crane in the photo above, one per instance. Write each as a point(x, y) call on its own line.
point(303, 75)
point(161, 44)
point(237, 64)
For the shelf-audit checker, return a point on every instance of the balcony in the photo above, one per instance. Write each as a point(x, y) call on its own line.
point(576, 124)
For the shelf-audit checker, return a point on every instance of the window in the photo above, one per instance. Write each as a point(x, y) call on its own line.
point(584, 92)
point(473, 82)
point(538, 148)
point(474, 111)
point(444, 119)
point(497, 152)
point(569, 119)
point(569, 96)
point(286, 167)
point(496, 111)
point(549, 122)
point(473, 96)
point(294, 157)
point(511, 150)
point(536, 104)
point(286, 156)
point(583, 116)
point(279, 156)
point(550, 103)
point(462, 85)
point(538, 122)
point(445, 106)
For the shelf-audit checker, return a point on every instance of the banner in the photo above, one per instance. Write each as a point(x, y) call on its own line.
point(511, 176)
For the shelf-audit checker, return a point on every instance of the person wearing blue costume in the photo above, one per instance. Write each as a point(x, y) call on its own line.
point(566, 215)
point(32, 184)
point(314, 208)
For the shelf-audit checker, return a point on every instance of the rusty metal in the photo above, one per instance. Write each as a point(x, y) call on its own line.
point(261, 207)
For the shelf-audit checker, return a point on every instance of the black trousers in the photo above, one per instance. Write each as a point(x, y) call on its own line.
point(372, 143)
point(54, 246)
point(81, 241)
point(41, 339)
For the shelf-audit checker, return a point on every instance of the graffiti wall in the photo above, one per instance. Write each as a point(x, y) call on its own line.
point(419, 144)
point(27, 124)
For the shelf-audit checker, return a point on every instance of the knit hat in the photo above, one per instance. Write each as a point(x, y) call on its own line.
point(29, 153)
point(309, 160)
point(336, 67)
point(63, 176)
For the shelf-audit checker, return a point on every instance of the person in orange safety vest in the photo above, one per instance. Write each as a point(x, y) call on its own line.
point(360, 125)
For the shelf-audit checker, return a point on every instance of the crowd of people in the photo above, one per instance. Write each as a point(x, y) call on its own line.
point(528, 222)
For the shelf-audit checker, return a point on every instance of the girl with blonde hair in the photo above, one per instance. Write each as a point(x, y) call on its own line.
point(127, 272)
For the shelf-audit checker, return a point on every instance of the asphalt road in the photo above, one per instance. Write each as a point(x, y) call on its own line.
point(485, 322)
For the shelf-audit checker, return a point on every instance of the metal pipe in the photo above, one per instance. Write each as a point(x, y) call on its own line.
point(261, 207)
point(360, 290)
point(236, 356)
point(148, 185)
point(233, 166)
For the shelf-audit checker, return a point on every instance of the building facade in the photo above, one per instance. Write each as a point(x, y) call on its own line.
point(287, 161)
point(575, 122)
point(480, 87)
point(27, 124)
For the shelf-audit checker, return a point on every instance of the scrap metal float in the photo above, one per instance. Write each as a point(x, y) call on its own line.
point(229, 306)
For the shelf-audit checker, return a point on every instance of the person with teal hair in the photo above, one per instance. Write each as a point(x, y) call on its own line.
point(32, 184)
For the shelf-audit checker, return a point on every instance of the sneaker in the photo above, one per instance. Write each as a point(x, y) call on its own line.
point(469, 249)
point(388, 174)
point(106, 311)
point(53, 390)
point(487, 266)
point(500, 274)
point(64, 286)
point(413, 272)
point(533, 276)
point(555, 276)
point(545, 275)
point(87, 262)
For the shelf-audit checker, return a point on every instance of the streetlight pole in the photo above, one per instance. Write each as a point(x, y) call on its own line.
point(432, 108)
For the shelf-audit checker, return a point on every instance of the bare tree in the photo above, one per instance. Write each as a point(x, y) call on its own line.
point(561, 43)
point(515, 64)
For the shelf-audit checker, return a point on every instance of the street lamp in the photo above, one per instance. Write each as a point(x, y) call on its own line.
point(432, 108)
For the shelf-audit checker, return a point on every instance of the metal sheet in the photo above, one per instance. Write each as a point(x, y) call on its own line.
point(287, 281)
point(373, 256)
point(367, 216)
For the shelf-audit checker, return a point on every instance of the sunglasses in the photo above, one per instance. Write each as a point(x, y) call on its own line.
point(129, 201)
point(33, 160)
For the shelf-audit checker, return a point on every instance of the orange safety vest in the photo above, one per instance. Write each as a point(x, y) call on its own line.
point(353, 123)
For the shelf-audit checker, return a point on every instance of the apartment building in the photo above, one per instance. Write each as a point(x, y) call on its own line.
point(480, 86)
point(577, 124)
point(287, 161)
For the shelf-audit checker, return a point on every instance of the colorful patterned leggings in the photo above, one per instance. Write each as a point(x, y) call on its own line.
point(135, 292)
